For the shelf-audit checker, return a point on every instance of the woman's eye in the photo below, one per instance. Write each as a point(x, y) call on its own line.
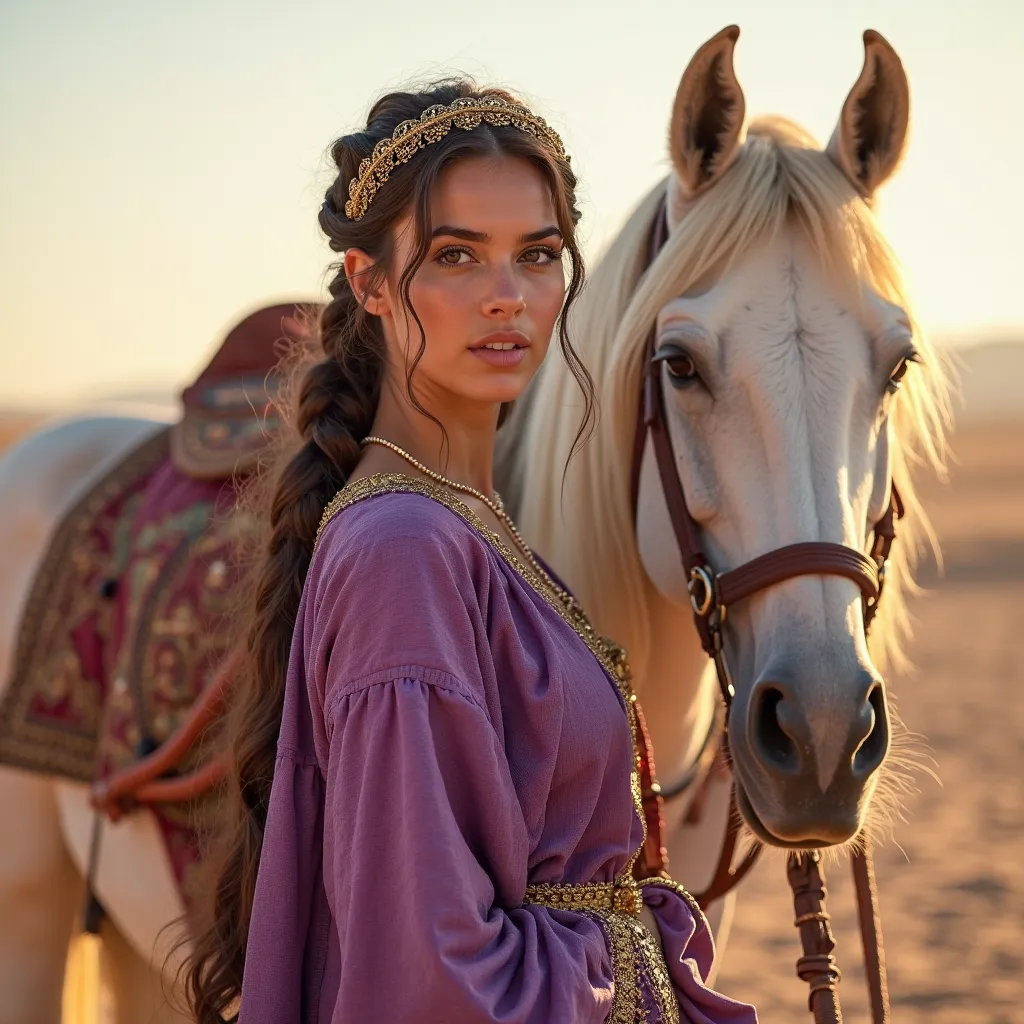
point(453, 257)
point(541, 256)
point(895, 381)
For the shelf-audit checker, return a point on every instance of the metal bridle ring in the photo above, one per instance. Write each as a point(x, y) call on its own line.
point(702, 601)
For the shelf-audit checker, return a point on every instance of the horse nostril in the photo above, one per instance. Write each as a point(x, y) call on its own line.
point(871, 753)
point(772, 739)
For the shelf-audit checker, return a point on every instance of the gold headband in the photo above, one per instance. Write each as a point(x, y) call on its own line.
point(433, 124)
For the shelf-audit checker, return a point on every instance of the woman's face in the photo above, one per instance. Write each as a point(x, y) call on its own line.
point(490, 289)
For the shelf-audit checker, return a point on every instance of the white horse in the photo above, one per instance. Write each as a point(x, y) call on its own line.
point(786, 434)
point(784, 334)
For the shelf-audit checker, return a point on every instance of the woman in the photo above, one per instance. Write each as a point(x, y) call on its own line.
point(452, 818)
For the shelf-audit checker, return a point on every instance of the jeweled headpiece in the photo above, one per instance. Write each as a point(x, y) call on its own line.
point(467, 112)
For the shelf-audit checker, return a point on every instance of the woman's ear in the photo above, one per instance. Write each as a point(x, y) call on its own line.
point(358, 267)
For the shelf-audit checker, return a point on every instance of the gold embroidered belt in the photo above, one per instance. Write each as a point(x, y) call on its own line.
point(641, 976)
point(623, 896)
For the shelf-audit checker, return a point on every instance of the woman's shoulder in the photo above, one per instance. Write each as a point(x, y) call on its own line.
point(387, 526)
point(378, 510)
point(397, 582)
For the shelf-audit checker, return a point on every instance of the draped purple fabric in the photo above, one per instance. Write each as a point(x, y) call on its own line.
point(447, 739)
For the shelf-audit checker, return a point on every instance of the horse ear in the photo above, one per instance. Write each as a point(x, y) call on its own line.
point(707, 117)
point(870, 139)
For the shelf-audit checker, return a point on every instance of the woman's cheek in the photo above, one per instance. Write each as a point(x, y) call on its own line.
point(446, 310)
point(548, 295)
point(439, 304)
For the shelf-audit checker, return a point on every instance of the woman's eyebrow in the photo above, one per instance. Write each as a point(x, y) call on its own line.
point(463, 233)
point(450, 231)
point(535, 236)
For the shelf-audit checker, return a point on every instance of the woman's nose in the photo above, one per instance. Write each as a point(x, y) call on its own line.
point(505, 296)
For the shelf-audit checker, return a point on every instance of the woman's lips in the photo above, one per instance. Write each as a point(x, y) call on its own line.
point(504, 357)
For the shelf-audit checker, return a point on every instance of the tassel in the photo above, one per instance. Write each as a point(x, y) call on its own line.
point(86, 1000)
point(82, 985)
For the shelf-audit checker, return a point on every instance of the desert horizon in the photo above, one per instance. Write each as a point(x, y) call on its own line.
point(991, 388)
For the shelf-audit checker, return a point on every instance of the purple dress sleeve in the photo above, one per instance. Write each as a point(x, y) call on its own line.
point(421, 814)
point(285, 931)
point(689, 949)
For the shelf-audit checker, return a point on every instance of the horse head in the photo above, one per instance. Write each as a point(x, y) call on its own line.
point(795, 388)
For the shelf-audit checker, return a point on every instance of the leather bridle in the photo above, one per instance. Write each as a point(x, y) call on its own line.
point(711, 594)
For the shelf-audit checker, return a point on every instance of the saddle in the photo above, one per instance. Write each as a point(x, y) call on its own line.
point(129, 618)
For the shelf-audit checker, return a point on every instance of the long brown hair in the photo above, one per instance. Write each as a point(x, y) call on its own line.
point(336, 403)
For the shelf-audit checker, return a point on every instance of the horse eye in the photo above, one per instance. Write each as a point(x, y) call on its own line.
point(897, 375)
point(681, 367)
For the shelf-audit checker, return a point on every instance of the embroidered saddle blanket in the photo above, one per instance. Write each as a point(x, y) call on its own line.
point(130, 613)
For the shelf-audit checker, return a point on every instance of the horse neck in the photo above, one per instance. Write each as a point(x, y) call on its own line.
point(675, 689)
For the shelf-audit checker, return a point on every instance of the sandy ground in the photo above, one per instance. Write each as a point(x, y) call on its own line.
point(952, 890)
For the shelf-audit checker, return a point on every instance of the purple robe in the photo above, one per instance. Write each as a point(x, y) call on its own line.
point(447, 740)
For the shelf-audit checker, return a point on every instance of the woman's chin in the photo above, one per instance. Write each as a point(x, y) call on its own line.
point(496, 391)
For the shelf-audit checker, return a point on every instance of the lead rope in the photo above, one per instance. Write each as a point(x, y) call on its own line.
point(818, 965)
point(871, 931)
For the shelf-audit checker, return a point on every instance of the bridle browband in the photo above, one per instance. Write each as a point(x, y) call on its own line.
point(711, 595)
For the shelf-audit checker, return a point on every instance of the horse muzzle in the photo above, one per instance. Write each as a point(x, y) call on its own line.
point(806, 773)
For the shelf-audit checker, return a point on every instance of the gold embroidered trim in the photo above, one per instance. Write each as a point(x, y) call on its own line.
point(680, 890)
point(610, 655)
point(627, 999)
point(637, 957)
point(636, 954)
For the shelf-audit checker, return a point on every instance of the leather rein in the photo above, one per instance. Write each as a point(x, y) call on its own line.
point(711, 595)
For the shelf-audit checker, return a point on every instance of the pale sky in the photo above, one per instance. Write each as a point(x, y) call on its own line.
point(161, 164)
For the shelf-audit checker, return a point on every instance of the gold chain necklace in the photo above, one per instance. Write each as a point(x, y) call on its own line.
point(495, 504)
